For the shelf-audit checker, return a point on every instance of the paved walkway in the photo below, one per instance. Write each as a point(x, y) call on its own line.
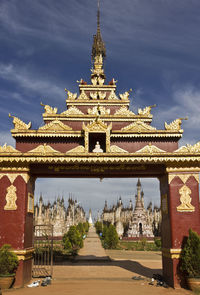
point(92, 249)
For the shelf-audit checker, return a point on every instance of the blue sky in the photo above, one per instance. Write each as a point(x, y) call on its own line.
point(152, 47)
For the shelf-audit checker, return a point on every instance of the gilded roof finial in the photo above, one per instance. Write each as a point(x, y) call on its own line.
point(98, 48)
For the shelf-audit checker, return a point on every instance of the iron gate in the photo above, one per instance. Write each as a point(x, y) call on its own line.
point(43, 254)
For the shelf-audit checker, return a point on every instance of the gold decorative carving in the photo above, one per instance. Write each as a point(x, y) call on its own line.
point(72, 111)
point(94, 95)
point(13, 176)
point(19, 124)
point(189, 148)
point(24, 254)
point(112, 95)
point(183, 177)
point(71, 96)
point(102, 95)
point(11, 198)
point(55, 125)
point(99, 110)
point(125, 95)
point(138, 126)
point(94, 80)
point(116, 149)
point(150, 149)
point(8, 149)
point(175, 125)
point(98, 94)
point(123, 111)
point(83, 95)
point(48, 109)
point(185, 200)
point(43, 149)
point(164, 204)
point(146, 111)
point(171, 253)
point(77, 150)
point(101, 81)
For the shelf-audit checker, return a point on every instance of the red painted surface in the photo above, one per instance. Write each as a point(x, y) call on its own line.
point(24, 273)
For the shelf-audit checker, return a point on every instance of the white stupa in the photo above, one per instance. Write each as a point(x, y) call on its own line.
point(90, 218)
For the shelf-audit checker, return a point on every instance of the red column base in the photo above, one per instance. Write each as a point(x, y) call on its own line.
point(172, 274)
point(24, 273)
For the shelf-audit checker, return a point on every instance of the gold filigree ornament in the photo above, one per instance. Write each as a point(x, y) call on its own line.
point(112, 95)
point(99, 110)
point(70, 95)
point(72, 111)
point(43, 149)
point(116, 149)
point(19, 124)
point(94, 95)
point(77, 150)
point(8, 149)
point(13, 176)
point(48, 109)
point(102, 95)
point(184, 177)
point(125, 95)
point(97, 125)
point(146, 111)
point(11, 198)
point(55, 125)
point(188, 148)
point(175, 125)
point(123, 111)
point(185, 200)
point(150, 149)
point(83, 95)
point(138, 126)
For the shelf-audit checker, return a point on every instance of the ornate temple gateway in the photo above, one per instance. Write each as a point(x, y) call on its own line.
point(98, 136)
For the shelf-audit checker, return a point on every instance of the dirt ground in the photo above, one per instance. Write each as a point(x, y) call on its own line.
point(105, 277)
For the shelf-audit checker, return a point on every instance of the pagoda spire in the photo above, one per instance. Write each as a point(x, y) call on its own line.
point(98, 50)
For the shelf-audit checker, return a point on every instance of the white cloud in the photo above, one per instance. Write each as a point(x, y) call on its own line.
point(6, 137)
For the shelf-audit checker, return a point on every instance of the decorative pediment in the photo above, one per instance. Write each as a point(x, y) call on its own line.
point(138, 126)
point(71, 96)
point(175, 125)
point(116, 149)
point(97, 125)
point(83, 95)
point(72, 111)
point(77, 150)
point(99, 110)
point(146, 111)
point(8, 149)
point(19, 124)
point(55, 125)
point(123, 111)
point(112, 96)
point(150, 149)
point(43, 149)
point(188, 148)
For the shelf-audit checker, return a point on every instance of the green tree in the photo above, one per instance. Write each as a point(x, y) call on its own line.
point(8, 260)
point(99, 227)
point(72, 240)
point(111, 237)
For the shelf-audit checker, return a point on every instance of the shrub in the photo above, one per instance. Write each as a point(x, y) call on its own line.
point(99, 227)
point(190, 256)
point(158, 243)
point(8, 260)
point(72, 240)
point(111, 237)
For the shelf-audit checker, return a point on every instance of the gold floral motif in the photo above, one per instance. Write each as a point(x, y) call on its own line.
point(123, 111)
point(183, 177)
point(175, 125)
point(138, 126)
point(77, 150)
point(48, 109)
point(185, 200)
point(83, 95)
point(150, 149)
point(125, 95)
point(146, 111)
point(112, 95)
point(72, 111)
point(102, 95)
point(43, 149)
point(94, 95)
point(99, 110)
point(116, 149)
point(19, 124)
point(11, 198)
point(189, 148)
point(71, 96)
point(8, 149)
point(55, 125)
point(97, 125)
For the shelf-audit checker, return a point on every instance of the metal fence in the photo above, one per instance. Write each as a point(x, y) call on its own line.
point(43, 255)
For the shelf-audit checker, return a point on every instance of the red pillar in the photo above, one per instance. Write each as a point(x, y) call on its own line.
point(180, 212)
point(16, 226)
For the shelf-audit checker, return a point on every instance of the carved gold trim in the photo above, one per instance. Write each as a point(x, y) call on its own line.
point(183, 169)
point(19, 124)
point(171, 253)
point(48, 109)
point(116, 149)
point(78, 149)
point(56, 125)
point(43, 149)
point(13, 176)
point(189, 148)
point(24, 254)
point(72, 110)
point(99, 110)
point(146, 111)
point(123, 111)
point(175, 125)
point(185, 200)
point(138, 126)
point(150, 149)
point(11, 198)
point(8, 149)
point(183, 177)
